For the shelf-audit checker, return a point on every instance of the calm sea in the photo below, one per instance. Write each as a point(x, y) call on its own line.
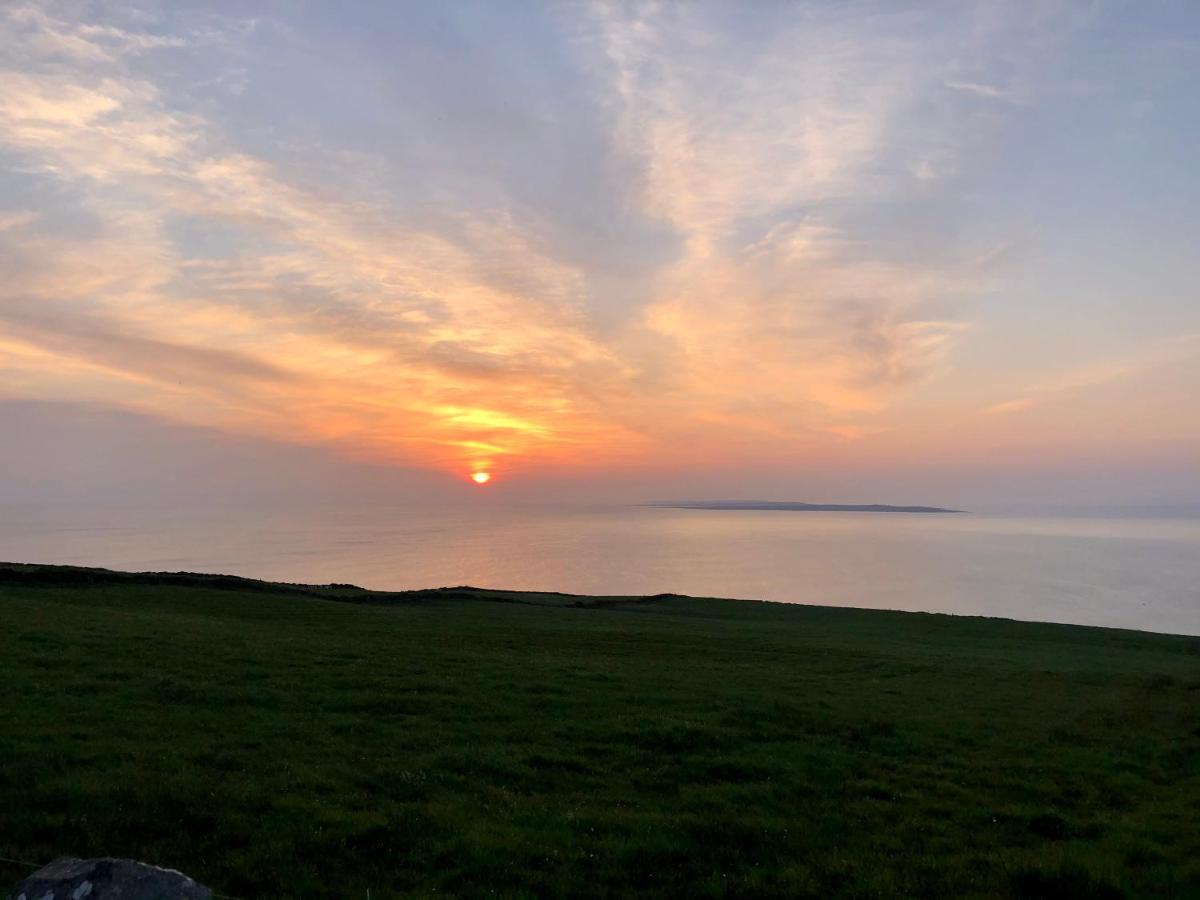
point(1124, 572)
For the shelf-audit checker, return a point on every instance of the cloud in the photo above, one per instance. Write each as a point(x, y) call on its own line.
point(338, 290)
point(1074, 383)
point(13, 220)
point(84, 337)
point(756, 163)
point(41, 35)
point(109, 129)
point(983, 90)
point(688, 268)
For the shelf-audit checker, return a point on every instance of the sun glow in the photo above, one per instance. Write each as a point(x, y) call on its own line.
point(481, 477)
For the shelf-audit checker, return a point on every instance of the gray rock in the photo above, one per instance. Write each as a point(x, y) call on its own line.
point(107, 879)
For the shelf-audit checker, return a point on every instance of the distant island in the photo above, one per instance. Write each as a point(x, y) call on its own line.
point(800, 507)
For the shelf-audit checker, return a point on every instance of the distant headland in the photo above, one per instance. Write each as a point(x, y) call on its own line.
point(800, 507)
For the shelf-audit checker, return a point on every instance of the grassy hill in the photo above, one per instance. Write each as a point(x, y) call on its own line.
point(292, 741)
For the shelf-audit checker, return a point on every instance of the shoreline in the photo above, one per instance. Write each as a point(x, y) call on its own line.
point(51, 574)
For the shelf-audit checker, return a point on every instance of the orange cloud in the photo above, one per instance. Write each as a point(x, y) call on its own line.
point(184, 271)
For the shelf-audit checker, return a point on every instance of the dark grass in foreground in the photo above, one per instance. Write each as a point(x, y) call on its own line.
point(272, 743)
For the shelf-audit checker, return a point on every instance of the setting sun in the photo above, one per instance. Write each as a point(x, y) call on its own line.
point(481, 477)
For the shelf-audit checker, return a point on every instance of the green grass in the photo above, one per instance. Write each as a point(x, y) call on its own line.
point(273, 743)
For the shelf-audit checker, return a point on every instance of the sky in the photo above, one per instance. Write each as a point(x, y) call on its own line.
point(899, 252)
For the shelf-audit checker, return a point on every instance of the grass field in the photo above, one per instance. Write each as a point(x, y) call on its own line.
point(271, 742)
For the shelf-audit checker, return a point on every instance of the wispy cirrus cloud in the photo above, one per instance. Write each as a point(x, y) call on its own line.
point(377, 316)
point(992, 92)
point(1072, 384)
point(758, 164)
point(703, 235)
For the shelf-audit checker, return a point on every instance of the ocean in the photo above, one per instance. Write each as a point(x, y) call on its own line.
point(1141, 573)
